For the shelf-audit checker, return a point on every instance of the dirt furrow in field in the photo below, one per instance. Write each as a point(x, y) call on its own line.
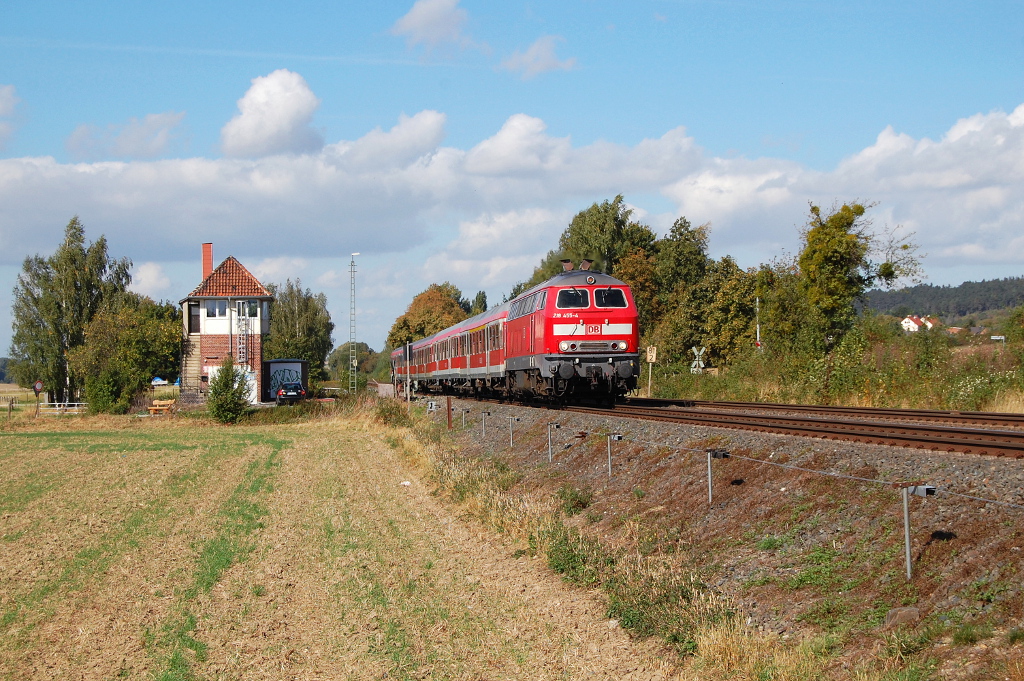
point(360, 576)
point(119, 543)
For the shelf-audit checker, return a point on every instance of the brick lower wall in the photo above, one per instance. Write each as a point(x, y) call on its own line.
point(214, 348)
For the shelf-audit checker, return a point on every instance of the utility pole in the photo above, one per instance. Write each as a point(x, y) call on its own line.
point(353, 360)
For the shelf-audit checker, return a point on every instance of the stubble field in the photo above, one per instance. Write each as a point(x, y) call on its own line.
point(177, 549)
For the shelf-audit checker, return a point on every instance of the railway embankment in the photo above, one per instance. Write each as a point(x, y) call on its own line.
point(802, 538)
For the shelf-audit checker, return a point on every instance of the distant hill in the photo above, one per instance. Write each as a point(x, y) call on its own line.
point(971, 298)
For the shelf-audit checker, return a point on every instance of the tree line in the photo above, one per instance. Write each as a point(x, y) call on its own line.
point(685, 298)
point(79, 330)
point(949, 302)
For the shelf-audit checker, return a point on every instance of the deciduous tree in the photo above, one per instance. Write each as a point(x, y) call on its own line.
point(300, 327)
point(435, 309)
point(834, 265)
point(604, 233)
point(127, 343)
point(54, 300)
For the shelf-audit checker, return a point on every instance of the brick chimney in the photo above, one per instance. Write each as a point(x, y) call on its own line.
point(207, 260)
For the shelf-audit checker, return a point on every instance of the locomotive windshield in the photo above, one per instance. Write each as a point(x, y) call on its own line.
point(609, 297)
point(572, 298)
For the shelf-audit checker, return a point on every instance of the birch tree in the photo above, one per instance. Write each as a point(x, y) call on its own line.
point(300, 327)
point(54, 301)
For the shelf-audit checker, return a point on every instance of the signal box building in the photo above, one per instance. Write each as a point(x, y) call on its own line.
point(227, 314)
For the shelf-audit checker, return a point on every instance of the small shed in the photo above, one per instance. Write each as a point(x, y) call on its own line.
point(278, 371)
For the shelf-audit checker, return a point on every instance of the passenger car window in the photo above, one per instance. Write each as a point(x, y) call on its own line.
point(609, 297)
point(572, 298)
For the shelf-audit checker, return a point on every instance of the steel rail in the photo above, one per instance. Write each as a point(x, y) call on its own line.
point(935, 415)
point(931, 437)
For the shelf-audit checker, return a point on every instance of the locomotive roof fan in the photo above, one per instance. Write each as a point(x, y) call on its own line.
point(566, 264)
point(585, 264)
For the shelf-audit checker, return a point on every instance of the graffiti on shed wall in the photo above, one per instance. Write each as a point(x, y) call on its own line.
point(284, 375)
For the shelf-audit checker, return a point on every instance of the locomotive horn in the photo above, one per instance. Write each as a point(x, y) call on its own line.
point(566, 264)
point(585, 264)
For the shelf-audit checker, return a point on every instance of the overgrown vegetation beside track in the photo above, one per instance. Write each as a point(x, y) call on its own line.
point(662, 573)
point(875, 365)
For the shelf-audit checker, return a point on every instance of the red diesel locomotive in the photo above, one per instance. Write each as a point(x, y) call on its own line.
point(575, 334)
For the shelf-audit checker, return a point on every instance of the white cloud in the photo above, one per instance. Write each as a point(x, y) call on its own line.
point(495, 249)
point(277, 270)
point(483, 216)
point(149, 138)
point(274, 117)
point(409, 140)
point(8, 100)
point(433, 23)
point(8, 103)
point(538, 58)
point(149, 279)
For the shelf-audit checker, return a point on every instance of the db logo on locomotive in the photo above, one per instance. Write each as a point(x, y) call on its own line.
point(593, 329)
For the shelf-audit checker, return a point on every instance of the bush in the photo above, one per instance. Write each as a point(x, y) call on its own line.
point(574, 499)
point(392, 412)
point(228, 400)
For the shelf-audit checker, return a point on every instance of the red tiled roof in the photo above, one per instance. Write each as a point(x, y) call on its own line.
point(230, 279)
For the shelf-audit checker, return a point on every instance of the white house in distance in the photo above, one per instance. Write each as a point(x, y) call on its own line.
point(228, 313)
point(914, 323)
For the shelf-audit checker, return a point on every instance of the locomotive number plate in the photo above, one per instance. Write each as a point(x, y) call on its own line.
point(593, 329)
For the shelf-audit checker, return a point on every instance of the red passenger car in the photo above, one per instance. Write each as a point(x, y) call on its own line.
point(575, 334)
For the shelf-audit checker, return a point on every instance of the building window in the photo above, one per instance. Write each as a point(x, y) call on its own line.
point(216, 308)
point(248, 308)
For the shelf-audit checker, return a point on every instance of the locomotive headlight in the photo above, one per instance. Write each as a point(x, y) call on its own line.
point(621, 345)
point(563, 346)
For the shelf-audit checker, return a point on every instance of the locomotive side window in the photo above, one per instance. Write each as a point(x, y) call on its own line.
point(572, 298)
point(609, 297)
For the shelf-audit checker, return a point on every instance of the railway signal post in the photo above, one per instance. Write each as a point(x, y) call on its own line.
point(714, 454)
point(920, 490)
point(550, 426)
point(511, 420)
point(616, 437)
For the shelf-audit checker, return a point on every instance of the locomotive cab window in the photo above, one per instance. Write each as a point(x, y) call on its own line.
point(609, 297)
point(572, 298)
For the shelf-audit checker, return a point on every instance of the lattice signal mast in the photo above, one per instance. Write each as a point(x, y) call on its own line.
point(353, 361)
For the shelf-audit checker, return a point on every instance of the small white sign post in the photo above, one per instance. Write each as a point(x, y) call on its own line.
point(652, 357)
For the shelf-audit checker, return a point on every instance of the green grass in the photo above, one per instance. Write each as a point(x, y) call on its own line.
point(573, 500)
point(968, 634)
point(241, 514)
point(91, 561)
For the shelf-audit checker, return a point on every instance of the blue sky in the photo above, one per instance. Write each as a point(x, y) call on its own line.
point(452, 139)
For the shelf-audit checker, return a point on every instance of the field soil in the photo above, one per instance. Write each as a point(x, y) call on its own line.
point(179, 549)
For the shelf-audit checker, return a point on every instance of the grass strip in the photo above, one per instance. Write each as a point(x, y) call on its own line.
point(96, 559)
point(243, 512)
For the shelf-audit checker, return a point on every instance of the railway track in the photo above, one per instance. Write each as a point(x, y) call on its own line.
point(940, 436)
point(975, 418)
